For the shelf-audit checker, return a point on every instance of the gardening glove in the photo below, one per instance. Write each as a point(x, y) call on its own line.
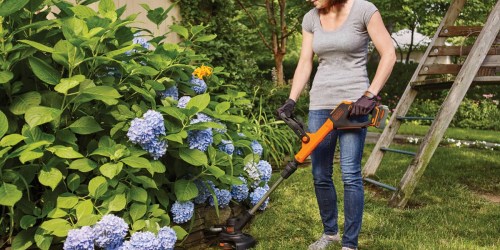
point(287, 108)
point(364, 105)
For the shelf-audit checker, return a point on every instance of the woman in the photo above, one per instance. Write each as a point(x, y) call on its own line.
point(338, 32)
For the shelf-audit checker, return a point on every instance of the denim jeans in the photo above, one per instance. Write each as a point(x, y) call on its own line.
point(351, 144)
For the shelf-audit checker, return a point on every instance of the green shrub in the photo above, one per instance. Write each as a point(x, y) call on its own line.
point(71, 88)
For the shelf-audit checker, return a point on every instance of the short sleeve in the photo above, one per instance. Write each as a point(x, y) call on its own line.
point(308, 22)
point(368, 11)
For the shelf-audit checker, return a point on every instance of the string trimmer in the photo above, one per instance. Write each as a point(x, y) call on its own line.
point(231, 236)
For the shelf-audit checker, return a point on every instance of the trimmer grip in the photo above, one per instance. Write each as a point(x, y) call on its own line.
point(379, 116)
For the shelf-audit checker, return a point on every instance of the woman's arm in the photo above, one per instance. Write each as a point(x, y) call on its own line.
point(304, 66)
point(383, 43)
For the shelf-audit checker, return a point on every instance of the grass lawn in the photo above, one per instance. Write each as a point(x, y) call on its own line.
point(448, 209)
point(454, 133)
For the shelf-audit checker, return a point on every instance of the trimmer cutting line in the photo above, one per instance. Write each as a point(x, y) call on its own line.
point(230, 236)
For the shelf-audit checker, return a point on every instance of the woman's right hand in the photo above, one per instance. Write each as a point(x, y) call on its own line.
point(286, 109)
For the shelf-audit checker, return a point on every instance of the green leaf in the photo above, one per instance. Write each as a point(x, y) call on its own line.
point(120, 51)
point(158, 167)
point(98, 186)
point(216, 171)
point(182, 31)
point(39, 115)
point(88, 220)
point(42, 240)
point(57, 213)
point(106, 6)
point(185, 190)
point(83, 11)
point(9, 195)
point(27, 155)
point(57, 227)
point(205, 38)
point(200, 102)
point(65, 152)
point(50, 177)
point(68, 83)
point(9, 140)
point(67, 200)
point(194, 157)
point(111, 170)
point(117, 203)
point(85, 125)
point(180, 232)
point(8, 7)
point(38, 46)
point(44, 71)
point(83, 165)
point(138, 194)
point(27, 221)
point(222, 107)
point(137, 162)
point(137, 211)
point(146, 182)
point(148, 96)
point(6, 76)
point(4, 124)
point(23, 240)
point(22, 103)
point(138, 225)
point(106, 94)
point(83, 209)
point(73, 181)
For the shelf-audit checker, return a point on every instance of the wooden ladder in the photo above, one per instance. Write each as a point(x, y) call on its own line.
point(481, 66)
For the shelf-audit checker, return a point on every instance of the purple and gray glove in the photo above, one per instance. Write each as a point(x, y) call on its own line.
point(364, 105)
point(287, 108)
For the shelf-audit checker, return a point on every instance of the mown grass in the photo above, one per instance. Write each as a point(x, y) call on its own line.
point(454, 133)
point(446, 211)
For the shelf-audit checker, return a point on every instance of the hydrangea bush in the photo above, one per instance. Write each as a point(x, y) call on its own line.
point(96, 118)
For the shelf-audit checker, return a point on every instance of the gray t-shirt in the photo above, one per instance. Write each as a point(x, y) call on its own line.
point(342, 54)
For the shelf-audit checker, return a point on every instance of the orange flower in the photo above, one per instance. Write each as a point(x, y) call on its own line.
point(202, 71)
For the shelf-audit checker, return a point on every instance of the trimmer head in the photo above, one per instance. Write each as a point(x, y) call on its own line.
point(238, 241)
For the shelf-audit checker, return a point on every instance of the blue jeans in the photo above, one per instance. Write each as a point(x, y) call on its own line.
point(351, 143)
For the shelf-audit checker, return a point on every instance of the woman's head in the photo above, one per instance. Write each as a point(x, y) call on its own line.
point(325, 5)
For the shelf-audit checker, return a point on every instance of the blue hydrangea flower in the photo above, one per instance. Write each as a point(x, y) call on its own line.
point(256, 147)
point(257, 194)
point(80, 239)
point(183, 101)
point(252, 171)
point(146, 132)
point(182, 211)
point(200, 117)
point(166, 238)
point(265, 170)
point(200, 139)
point(170, 92)
point(240, 192)
point(221, 130)
point(141, 41)
point(198, 85)
point(110, 231)
point(226, 146)
point(143, 241)
point(203, 192)
point(223, 197)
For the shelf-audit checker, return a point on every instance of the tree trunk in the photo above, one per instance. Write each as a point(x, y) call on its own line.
point(280, 75)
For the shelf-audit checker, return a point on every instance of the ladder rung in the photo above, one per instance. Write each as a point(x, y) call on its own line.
point(380, 184)
point(436, 83)
point(451, 31)
point(459, 50)
point(398, 151)
point(414, 118)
